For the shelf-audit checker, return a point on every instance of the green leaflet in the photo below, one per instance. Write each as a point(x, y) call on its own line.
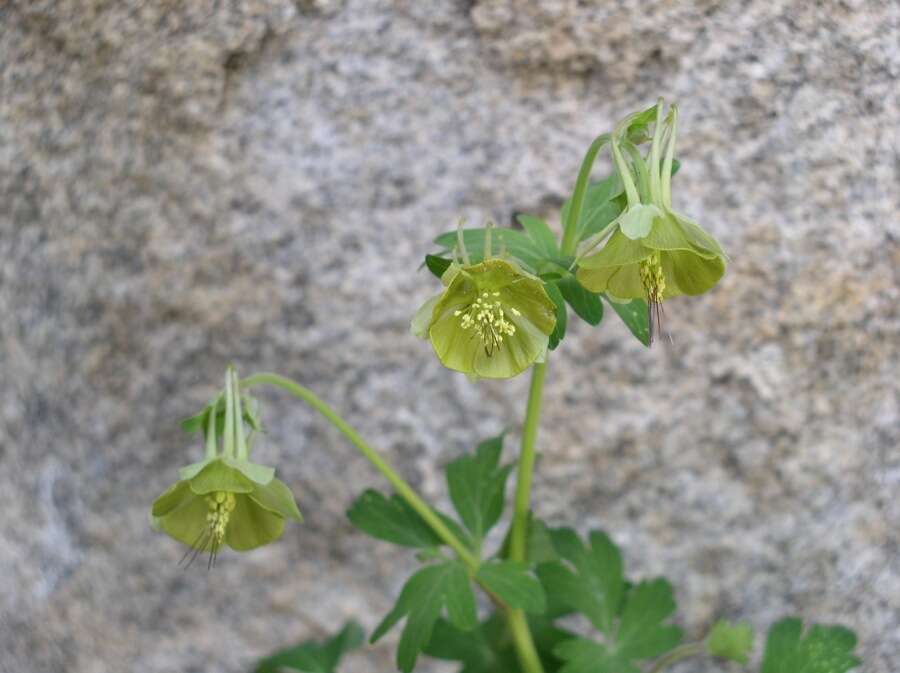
point(540, 234)
point(591, 581)
point(200, 421)
point(489, 649)
point(424, 596)
point(730, 641)
point(312, 656)
point(600, 206)
point(513, 583)
point(516, 243)
point(391, 520)
point(824, 649)
point(562, 316)
point(585, 303)
point(477, 486)
point(634, 314)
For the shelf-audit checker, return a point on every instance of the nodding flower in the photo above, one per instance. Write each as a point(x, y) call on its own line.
point(493, 319)
point(651, 252)
point(224, 500)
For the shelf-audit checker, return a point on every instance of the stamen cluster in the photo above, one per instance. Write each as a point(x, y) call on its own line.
point(221, 503)
point(653, 278)
point(487, 318)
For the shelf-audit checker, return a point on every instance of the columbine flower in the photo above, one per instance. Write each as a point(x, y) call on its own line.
point(493, 320)
point(654, 253)
point(225, 499)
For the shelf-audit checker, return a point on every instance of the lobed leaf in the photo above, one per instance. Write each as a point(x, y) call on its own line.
point(313, 657)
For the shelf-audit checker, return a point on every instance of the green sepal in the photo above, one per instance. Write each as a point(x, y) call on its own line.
point(251, 525)
point(217, 475)
point(730, 641)
point(278, 499)
point(255, 472)
point(315, 657)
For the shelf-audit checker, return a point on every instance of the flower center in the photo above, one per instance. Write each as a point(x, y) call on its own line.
point(486, 317)
point(652, 278)
point(220, 505)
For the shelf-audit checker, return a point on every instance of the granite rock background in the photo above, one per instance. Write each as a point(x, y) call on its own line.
point(188, 183)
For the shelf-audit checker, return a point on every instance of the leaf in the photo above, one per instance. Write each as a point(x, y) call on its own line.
point(515, 242)
point(422, 599)
point(582, 655)
point(591, 581)
point(489, 648)
point(391, 520)
point(730, 641)
point(597, 585)
point(586, 304)
point(513, 583)
point(313, 657)
point(540, 234)
point(635, 316)
point(200, 422)
point(559, 330)
point(599, 207)
point(642, 634)
point(824, 649)
point(437, 265)
point(478, 487)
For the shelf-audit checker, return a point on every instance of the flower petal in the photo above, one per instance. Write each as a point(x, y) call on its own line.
point(187, 522)
point(689, 274)
point(172, 497)
point(251, 525)
point(422, 319)
point(277, 498)
point(637, 221)
point(618, 251)
point(217, 476)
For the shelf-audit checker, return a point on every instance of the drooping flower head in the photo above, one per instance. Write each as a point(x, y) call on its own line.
point(225, 499)
point(653, 252)
point(492, 320)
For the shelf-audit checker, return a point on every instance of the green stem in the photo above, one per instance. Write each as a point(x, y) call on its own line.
point(242, 452)
point(403, 489)
point(228, 438)
point(211, 446)
point(676, 655)
point(525, 469)
point(518, 537)
point(570, 226)
point(527, 652)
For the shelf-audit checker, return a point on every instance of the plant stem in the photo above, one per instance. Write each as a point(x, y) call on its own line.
point(676, 655)
point(403, 489)
point(518, 537)
point(570, 226)
point(525, 649)
point(519, 531)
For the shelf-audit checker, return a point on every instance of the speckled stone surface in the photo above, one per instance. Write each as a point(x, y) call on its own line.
point(186, 184)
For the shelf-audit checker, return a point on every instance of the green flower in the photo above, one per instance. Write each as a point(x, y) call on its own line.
point(221, 505)
point(493, 320)
point(653, 252)
point(225, 499)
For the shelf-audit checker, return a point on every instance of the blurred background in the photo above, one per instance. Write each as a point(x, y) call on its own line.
point(190, 183)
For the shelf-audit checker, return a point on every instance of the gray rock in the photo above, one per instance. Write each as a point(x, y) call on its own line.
point(189, 184)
